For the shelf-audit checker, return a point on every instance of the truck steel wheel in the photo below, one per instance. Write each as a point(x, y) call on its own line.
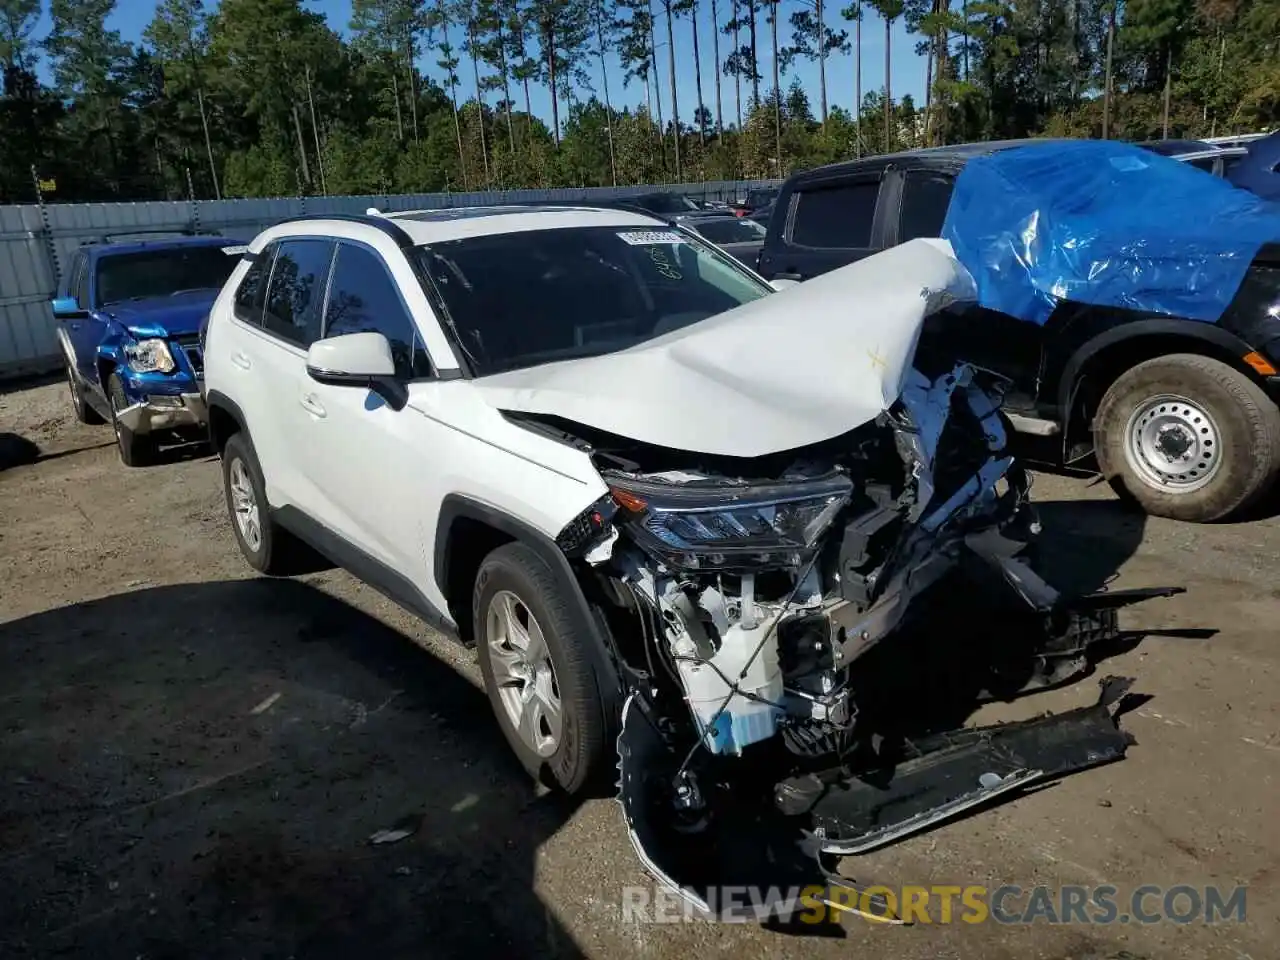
point(1188, 437)
point(536, 671)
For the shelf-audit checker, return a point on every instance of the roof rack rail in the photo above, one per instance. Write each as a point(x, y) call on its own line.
point(377, 221)
point(187, 231)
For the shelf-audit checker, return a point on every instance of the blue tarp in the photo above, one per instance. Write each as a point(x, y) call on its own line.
point(1103, 223)
point(1259, 170)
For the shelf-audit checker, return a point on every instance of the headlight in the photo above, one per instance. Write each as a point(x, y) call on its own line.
point(149, 356)
point(710, 526)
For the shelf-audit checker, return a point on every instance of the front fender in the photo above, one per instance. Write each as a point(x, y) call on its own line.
point(1214, 338)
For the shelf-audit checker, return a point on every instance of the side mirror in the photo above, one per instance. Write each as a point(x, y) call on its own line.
point(66, 308)
point(782, 284)
point(351, 360)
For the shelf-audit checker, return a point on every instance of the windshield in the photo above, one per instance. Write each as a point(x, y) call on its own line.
point(161, 273)
point(520, 299)
point(729, 230)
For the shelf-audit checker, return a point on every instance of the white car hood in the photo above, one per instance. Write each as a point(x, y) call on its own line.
point(793, 368)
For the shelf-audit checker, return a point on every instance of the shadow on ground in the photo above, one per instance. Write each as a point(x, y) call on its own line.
point(197, 771)
point(16, 451)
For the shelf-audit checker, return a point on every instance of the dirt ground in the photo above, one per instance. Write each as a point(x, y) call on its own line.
point(193, 759)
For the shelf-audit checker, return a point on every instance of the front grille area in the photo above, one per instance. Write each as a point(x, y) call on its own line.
point(190, 347)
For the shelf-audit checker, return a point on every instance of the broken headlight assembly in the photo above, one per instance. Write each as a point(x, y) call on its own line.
point(718, 526)
point(149, 356)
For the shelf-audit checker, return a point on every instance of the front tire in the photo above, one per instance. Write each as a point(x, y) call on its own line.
point(1188, 437)
point(266, 546)
point(537, 671)
point(136, 449)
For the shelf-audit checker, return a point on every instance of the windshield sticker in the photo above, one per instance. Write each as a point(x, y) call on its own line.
point(642, 238)
point(662, 261)
point(235, 251)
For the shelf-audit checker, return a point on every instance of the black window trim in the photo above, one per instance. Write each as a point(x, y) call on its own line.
point(878, 177)
point(386, 269)
point(271, 248)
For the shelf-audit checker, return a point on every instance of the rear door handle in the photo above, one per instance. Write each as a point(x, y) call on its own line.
point(241, 360)
point(787, 276)
point(312, 405)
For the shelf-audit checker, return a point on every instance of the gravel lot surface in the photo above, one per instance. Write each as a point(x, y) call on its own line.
point(193, 759)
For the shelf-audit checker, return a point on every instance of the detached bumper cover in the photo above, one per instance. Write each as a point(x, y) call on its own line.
point(953, 772)
point(780, 842)
point(165, 412)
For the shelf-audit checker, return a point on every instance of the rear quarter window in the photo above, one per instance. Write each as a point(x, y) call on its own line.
point(835, 217)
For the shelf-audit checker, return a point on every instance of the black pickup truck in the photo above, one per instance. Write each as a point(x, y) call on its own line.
point(1180, 414)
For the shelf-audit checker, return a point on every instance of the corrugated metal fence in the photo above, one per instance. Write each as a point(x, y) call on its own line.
point(37, 242)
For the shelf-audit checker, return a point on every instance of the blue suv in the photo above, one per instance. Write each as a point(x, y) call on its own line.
point(129, 317)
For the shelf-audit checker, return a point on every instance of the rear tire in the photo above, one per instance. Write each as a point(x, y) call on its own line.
point(136, 449)
point(540, 671)
point(1188, 437)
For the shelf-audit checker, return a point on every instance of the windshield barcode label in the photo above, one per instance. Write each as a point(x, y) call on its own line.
point(642, 238)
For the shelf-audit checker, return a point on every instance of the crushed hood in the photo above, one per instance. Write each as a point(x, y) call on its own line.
point(170, 316)
point(788, 370)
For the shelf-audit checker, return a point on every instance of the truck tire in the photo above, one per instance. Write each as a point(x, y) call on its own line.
point(136, 449)
point(537, 671)
point(1188, 437)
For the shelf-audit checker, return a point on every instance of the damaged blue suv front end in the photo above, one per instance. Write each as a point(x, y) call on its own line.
point(129, 320)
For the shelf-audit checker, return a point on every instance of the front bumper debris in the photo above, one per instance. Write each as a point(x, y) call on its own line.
point(165, 412)
point(785, 840)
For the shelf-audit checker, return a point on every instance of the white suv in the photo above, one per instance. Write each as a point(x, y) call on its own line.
point(625, 468)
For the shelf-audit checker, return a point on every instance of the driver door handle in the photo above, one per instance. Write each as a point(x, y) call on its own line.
point(241, 360)
point(312, 405)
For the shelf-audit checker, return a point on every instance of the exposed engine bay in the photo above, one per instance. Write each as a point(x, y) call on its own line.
point(743, 597)
point(777, 517)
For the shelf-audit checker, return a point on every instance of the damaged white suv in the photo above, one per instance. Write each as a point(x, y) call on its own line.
point(673, 509)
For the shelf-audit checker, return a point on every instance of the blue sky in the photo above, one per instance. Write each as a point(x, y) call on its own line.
point(132, 16)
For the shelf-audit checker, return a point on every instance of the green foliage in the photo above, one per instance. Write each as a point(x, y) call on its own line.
point(260, 98)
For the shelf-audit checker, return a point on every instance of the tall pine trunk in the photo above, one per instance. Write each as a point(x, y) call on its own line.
point(822, 61)
point(506, 87)
point(737, 75)
point(549, 45)
point(888, 86)
point(413, 84)
point(604, 76)
point(755, 60)
point(715, 52)
point(697, 73)
point(475, 73)
point(777, 89)
point(657, 88)
point(857, 79)
point(671, 69)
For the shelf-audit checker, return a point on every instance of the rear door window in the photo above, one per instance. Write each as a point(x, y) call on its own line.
point(836, 217)
point(925, 198)
point(296, 291)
